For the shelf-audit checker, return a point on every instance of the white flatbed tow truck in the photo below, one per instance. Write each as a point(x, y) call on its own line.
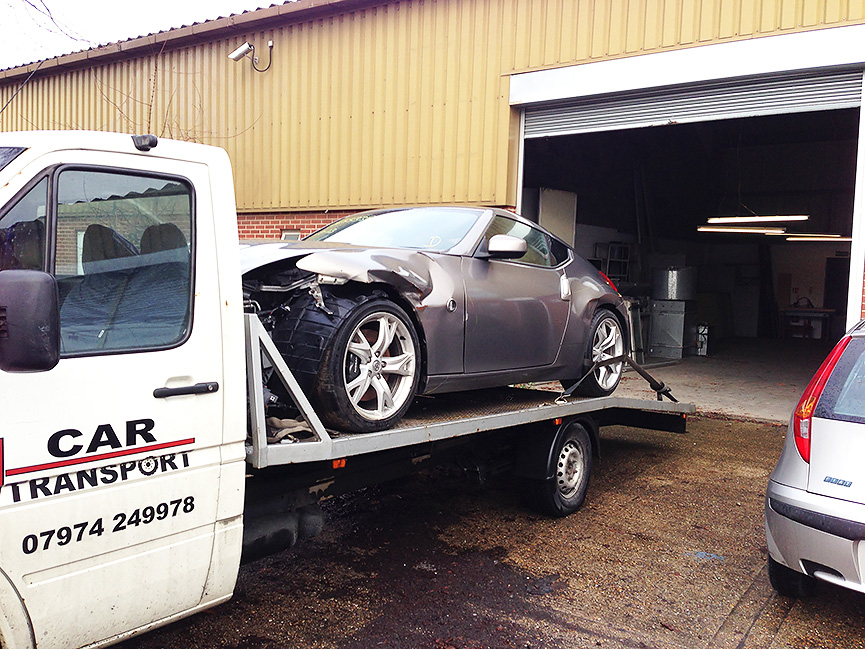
point(135, 465)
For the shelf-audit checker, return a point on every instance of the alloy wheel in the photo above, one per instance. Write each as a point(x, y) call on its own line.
point(379, 366)
point(607, 343)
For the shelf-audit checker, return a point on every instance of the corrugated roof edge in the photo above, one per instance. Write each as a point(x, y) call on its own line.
point(190, 34)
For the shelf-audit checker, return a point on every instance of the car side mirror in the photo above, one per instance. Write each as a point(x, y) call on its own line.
point(29, 321)
point(505, 246)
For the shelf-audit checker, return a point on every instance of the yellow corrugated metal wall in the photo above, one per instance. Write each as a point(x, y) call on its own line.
point(556, 32)
point(400, 103)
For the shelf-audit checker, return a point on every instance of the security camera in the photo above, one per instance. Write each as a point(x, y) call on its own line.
point(241, 51)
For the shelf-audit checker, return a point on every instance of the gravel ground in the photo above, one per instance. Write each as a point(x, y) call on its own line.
point(668, 551)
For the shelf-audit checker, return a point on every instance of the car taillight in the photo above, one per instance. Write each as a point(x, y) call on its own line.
point(805, 408)
point(610, 282)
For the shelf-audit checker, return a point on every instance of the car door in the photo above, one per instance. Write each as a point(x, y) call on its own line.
point(516, 313)
point(109, 478)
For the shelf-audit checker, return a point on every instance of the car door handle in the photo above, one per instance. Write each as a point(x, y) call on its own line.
point(198, 388)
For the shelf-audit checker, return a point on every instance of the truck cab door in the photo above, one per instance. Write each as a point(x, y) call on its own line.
point(110, 463)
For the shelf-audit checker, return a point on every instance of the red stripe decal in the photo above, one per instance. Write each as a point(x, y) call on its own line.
point(104, 456)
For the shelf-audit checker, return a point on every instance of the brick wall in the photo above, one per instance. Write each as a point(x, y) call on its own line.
point(270, 226)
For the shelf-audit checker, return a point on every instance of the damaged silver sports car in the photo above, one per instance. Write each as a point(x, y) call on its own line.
point(384, 305)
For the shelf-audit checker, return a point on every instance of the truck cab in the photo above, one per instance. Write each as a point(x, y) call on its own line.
point(122, 375)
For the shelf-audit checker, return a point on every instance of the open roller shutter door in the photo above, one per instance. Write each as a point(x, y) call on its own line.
point(697, 103)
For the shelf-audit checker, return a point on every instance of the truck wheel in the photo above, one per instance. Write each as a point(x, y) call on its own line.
point(605, 341)
point(788, 582)
point(565, 492)
point(369, 373)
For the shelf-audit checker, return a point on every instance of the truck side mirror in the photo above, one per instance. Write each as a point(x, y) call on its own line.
point(29, 321)
point(505, 246)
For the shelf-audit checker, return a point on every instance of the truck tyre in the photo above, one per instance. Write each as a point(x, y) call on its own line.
point(369, 373)
point(789, 582)
point(605, 341)
point(564, 492)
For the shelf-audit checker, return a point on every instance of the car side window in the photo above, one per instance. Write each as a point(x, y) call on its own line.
point(22, 231)
point(122, 261)
point(539, 249)
point(559, 252)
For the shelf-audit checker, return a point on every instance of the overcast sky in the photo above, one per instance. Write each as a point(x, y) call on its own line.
point(27, 34)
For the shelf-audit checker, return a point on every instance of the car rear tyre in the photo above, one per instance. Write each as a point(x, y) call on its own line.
point(369, 373)
point(565, 492)
point(605, 341)
point(788, 582)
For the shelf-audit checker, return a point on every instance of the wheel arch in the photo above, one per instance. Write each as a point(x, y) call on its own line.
point(16, 629)
point(403, 303)
point(622, 320)
point(536, 454)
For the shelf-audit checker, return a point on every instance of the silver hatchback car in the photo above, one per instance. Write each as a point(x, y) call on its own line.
point(815, 501)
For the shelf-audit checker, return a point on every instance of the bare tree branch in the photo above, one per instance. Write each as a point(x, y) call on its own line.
point(41, 8)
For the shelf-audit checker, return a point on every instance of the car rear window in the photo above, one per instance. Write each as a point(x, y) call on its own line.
point(843, 398)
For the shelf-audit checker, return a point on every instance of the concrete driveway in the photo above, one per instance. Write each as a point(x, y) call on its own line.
point(746, 378)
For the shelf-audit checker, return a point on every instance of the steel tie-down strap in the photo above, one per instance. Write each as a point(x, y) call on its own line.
point(660, 388)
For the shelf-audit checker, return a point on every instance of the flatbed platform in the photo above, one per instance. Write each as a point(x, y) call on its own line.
point(435, 418)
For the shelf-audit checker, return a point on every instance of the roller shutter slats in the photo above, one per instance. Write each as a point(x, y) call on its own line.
point(792, 94)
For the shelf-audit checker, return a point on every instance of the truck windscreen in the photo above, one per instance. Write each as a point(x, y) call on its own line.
point(9, 153)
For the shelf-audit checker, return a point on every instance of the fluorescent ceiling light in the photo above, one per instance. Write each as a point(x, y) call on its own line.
point(757, 219)
point(802, 235)
point(833, 238)
point(735, 230)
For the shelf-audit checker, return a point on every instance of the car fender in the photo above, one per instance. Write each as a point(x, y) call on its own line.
point(791, 470)
point(415, 275)
point(16, 630)
point(587, 291)
point(436, 299)
point(589, 296)
point(615, 304)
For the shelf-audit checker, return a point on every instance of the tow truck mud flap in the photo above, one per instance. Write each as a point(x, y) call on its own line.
point(275, 531)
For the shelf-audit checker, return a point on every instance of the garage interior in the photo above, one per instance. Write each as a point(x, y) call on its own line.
point(640, 195)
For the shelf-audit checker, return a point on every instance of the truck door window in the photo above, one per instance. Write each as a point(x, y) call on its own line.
point(22, 231)
point(122, 261)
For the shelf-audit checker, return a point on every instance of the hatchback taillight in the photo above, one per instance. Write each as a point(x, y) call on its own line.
point(805, 408)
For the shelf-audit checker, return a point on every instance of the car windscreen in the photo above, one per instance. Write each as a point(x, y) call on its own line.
point(422, 228)
point(9, 153)
point(843, 397)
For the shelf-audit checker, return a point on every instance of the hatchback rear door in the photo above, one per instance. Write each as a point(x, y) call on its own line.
point(838, 430)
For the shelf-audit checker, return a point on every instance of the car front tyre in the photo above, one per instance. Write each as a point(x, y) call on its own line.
point(369, 374)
